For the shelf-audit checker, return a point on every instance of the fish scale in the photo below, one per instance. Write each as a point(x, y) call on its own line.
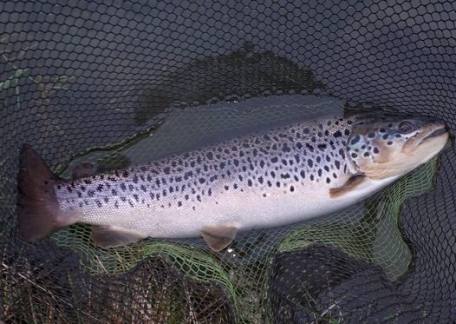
point(261, 179)
point(260, 166)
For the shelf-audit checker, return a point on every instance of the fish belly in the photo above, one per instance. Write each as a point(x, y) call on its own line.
point(246, 210)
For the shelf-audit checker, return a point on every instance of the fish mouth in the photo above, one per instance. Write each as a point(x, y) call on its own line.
point(442, 130)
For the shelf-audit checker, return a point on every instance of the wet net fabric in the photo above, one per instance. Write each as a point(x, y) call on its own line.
point(119, 82)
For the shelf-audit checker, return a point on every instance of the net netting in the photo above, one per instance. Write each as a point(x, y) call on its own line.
point(116, 83)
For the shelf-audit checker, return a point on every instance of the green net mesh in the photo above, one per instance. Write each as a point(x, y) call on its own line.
point(118, 83)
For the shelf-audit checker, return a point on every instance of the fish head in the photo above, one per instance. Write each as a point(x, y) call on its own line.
point(392, 146)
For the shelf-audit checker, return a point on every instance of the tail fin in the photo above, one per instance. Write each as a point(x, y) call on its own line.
point(38, 210)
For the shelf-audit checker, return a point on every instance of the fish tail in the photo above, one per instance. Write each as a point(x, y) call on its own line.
point(38, 211)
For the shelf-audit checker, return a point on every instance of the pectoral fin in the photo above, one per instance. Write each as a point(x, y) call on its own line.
point(348, 186)
point(218, 237)
point(111, 236)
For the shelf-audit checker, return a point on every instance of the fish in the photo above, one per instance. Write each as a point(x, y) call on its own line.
point(260, 179)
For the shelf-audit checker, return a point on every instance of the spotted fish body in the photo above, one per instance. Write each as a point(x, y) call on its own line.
point(262, 179)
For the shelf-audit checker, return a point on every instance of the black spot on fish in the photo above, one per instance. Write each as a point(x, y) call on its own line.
point(106, 199)
point(337, 134)
point(318, 159)
point(135, 178)
point(342, 153)
point(376, 151)
point(87, 181)
point(83, 188)
point(179, 203)
point(79, 194)
point(385, 136)
point(69, 189)
point(98, 203)
point(312, 177)
point(371, 135)
point(299, 145)
point(91, 193)
point(131, 187)
point(202, 180)
point(285, 175)
point(100, 187)
point(226, 187)
point(310, 162)
point(125, 174)
point(347, 132)
point(278, 184)
point(209, 155)
point(291, 188)
point(260, 180)
point(326, 168)
point(389, 143)
point(337, 164)
point(274, 159)
point(286, 148)
point(366, 154)
point(328, 159)
point(273, 174)
point(269, 183)
point(130, 202)
point(354, 155)
point(167, 170)
point(297, 158)
point(198, 197)
point(328, 180)
point(284, 162)
point(310, 147)
point(171, 189)
point(322, 146)
point(355, 139)
point(209, 192)
point(303, 174)
point(320, 171)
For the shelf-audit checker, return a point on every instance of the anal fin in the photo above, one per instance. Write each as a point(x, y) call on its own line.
point(348, 186)
point(218, 237)
point(106, 236)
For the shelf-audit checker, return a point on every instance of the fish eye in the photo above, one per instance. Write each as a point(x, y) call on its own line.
point(406, 127)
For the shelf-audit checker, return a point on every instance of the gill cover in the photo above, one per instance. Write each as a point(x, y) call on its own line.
point(387, 146)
